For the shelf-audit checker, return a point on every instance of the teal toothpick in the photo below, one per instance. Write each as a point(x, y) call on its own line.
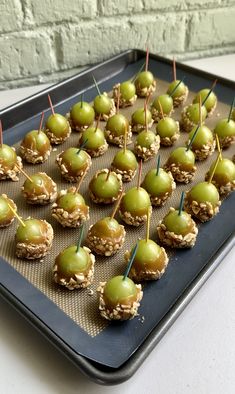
point(208, 94)
point(80, 238)
point(130, 261)
point(82, 99)
point(158, 164)
point(96, 85)
point(82, 146)
point(193, 138)
point(136, 75)
point(176, 87)
point(181, 203)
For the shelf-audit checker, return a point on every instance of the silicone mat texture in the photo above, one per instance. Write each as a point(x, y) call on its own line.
point(82, 305)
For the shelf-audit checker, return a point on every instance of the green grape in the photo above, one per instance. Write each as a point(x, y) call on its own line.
point(125, 160)
point(73, 160)
point(58, 125)
point(193, 113)
point(82, 114)
point(103, 188)
point(71, 262)
point(166, 102)
point(70, 201)
point(95, 138)
point(146, 138)
point(33, 231)
point(102, 104)
point(157, 185)
point(36, 141)
point(119, 291)
point(8, 156)
point(180, 91)
point(178, 224)
point(107, 228)
point(224, 128)
point(144, 79)
point(203, 192)
point(136, 201)
point(183, 157)
point(211, 100)
point(117, 124)
point(138, 117)
point(204, 136)
point(127, 90)
point(166, 127)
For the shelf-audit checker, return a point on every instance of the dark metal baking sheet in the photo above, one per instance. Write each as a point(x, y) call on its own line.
point(114, 354)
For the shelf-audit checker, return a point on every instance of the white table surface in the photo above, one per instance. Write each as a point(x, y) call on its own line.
point(197, 354)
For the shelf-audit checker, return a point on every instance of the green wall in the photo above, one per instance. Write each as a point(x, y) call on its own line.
point(47, 40)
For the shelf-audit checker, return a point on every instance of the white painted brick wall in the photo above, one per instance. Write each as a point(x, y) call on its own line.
point(47, 40)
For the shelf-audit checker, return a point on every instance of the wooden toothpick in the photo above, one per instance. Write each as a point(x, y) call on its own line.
point(145, 116)
point(51, 105)
point(41, 121)
point(117, 205)
point(108, 174)
point(147, 59)
point(139, 174)
point(231, 109)
point(16, 215)
point(148, 224)
point(161, 110)
point(214, 169)
point(118, 99)
point(80, 182)
point(145, 111)
point(24, 173)
point(125, 138)
point(1, 139)
point(97, 123)
point(218, 146)
point(148, 98)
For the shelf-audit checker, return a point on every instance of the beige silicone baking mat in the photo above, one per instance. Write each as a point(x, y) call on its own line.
point(82, 305)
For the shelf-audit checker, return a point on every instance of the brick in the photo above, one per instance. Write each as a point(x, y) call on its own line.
point(11, 15)
point(171, 5)
point(179, 5)
point(212, 28)
point(24, 55)
point(203, 4)
point(60, 75)
point(227, 2)
point(40, 79)
point(45, 11)
point(56, 36)
point(94, 42)
point(107, 7)
point(164, 33)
